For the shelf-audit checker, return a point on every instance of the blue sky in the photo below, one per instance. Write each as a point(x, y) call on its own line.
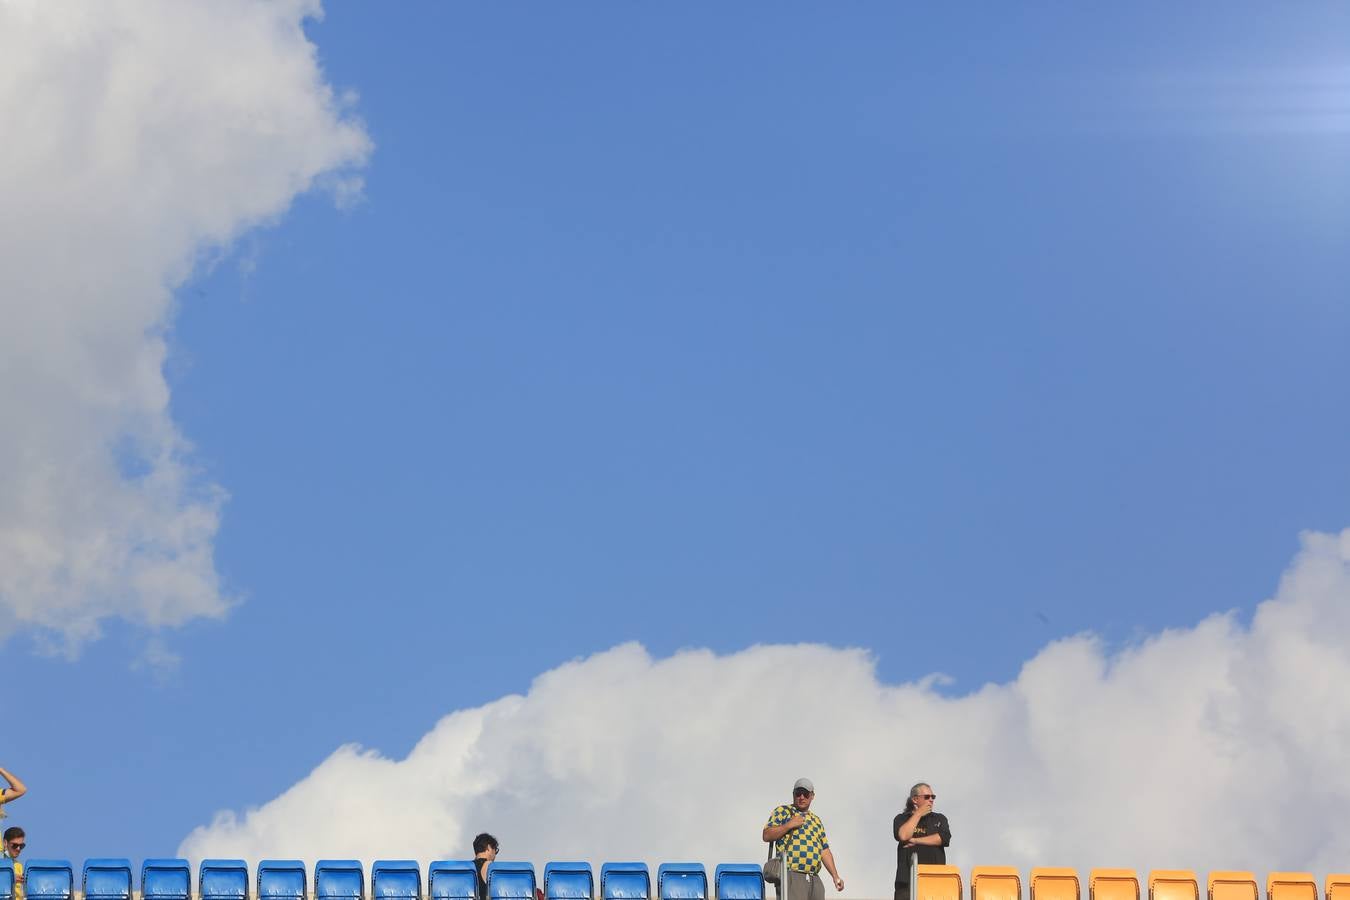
point(939, 334)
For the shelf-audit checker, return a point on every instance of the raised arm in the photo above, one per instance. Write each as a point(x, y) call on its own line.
point(16, 787)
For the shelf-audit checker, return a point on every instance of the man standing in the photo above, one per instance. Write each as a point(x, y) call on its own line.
point(922, 834)
point(800, 834)
point(485, 849)
point(15, 841)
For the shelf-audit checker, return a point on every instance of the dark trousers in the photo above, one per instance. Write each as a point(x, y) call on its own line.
point(802, 886)
point(902, 891)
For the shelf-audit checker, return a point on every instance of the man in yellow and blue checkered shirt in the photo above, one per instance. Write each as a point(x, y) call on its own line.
point(799, 835)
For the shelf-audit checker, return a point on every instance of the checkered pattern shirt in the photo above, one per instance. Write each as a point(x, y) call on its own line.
point(803, 845)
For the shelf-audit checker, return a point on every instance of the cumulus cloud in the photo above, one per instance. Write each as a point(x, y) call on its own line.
point(1217, 746)
point(138, 135)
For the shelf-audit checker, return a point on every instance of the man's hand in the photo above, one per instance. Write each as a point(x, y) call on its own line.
point(924, 808)
point(797, 821)
point(838, 883)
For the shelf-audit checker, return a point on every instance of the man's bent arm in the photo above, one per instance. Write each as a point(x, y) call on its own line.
point(16, 787)
point(827, 857)
point(906, 830)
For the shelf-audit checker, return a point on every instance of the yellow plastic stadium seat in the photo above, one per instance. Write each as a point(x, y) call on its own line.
point(999, 883)
point(1338, 887)
point(1233, 886)
point(1173, 884)
point(938, 883)
point(1291, 886)
point(1054, 884)
point(1113, 884)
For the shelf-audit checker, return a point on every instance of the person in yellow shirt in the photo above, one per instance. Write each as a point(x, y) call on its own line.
point(15, 841)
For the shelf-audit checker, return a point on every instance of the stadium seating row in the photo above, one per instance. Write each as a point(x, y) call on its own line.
point(1003, 883)
point(344, 879)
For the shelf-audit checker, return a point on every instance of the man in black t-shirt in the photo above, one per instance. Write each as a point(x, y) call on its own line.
point(485, 848)
point(920, 833)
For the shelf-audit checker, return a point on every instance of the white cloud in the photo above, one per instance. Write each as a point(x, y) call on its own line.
point(1218, 746)
point(138, 134)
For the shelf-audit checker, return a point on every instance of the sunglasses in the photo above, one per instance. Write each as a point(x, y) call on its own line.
point(925, 796)
point(17, 845)
point(801, 792)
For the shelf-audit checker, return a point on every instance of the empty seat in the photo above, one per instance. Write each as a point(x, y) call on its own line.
point(339, 879)
point(1233, 886)
point(510, 881)
point(281, 879)
point(625, 881)
point(451, 879)
point(48, 879)
point(1338, 887)
point(1173, 884)
point(166, 879)
point(1291, 886)
point(937, 883)
point(738, 881)
point(1113, 884)
point(222, 879)
point(995, 883)
point(681, 881)
point(1049, 883)
point(107, 879)
point(6, 878)
point(396, 879)
point(568, 881)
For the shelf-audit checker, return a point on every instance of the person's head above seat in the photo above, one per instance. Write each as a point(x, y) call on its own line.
point(485, 845)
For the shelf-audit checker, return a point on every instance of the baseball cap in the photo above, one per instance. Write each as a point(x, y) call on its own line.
point(804, 783)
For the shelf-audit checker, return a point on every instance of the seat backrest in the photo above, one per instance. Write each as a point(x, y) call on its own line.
point(738, 881)
point(568, 881)
point(396, 879)
point(1233, 886)
point(995, 883)
point(510, 881)
point(451, 879)
point(166, 879)
point(937, 883)
point(625, 881)
point(107, 879)
point(339, 879)
point(1291, 886)
point(1049, 883)
point(1173, 884)
point(1338, 886)
point(222, 879)
point(6, 878)
point(282, 879)
point(681, 881)
point(1113, 884)
point(48, 879)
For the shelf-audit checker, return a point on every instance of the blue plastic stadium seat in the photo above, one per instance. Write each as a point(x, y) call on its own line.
point(625, 881)
point(510, 881)
point(739, 881)
point(682, 881)
point(281, 879)
point(339, 879)
point(568, 881)
point(396, 879)
point(451, 879)
point(107, 879)
point(6, 878)
point(222, 879)
point(48, 879)
point(166, 879)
